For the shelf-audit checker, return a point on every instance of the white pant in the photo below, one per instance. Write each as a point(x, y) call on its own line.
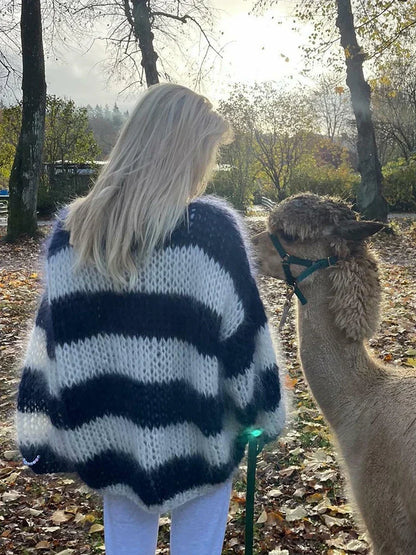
point(197, 527)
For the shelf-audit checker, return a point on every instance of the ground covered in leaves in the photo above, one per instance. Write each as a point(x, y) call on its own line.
point(300, 503)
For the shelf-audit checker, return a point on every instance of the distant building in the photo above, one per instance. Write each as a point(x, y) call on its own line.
point(73, 168)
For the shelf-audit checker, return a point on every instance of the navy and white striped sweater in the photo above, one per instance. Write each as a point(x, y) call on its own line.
point(146, 391)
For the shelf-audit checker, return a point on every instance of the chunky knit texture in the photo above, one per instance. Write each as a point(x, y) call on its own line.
point(145, 391)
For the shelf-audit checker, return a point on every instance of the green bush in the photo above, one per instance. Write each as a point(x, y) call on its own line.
point(225, 184)
point(56, 191)
point(325, 179)
point(45, 204)
point(399, 187)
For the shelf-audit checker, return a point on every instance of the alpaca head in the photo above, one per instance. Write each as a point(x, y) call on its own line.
point(314, 227)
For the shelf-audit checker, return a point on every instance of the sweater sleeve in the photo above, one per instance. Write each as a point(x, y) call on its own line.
point(252, 373)
point(36, 417)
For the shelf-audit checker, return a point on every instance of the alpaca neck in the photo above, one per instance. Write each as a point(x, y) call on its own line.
point(336, 367)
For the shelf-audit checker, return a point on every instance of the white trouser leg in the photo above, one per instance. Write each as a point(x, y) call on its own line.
point(128, 529)
point(198, 526)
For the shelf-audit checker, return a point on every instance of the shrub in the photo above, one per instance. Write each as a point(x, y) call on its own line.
point(225, 184)
point(399, 185)
point(324, 179)
point(57, 190)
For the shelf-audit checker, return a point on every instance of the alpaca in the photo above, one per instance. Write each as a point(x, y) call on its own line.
point(371, 407)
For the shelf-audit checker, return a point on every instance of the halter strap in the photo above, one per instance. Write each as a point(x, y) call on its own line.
point(310, 265)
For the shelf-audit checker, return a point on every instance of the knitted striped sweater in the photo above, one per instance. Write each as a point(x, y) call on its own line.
point(145, 391)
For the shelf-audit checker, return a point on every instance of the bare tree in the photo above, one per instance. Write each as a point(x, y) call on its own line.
point(394, 108)
point(331, 105)
point(139, 17)
point(271, 129)
point(27, 165)
point(135, 27)
point(143, 37)
point(282, 123)
point(371, 202)
point(9, 45)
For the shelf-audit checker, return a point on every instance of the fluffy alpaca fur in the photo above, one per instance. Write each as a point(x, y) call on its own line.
point(370, 406)
point(355, 287)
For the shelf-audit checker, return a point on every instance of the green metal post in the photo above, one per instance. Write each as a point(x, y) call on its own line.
point(253, 449)
point(251, 481)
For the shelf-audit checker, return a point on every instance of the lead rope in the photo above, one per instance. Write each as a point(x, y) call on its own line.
point(253, 450)
point(286, 307)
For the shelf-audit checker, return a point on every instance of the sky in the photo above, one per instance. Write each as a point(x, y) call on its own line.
point(256, 48)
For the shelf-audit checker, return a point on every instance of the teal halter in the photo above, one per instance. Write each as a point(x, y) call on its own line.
point(311, 266)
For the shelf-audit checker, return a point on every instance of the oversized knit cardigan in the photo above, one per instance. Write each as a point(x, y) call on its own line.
point(145, 391)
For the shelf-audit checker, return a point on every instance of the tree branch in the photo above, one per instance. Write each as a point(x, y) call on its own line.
point(185, 19)
point(128, 13)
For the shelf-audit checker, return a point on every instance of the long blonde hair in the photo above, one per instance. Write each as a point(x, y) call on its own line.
point(162, 159)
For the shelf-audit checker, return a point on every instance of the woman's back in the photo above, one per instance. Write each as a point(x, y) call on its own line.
point(149, 393)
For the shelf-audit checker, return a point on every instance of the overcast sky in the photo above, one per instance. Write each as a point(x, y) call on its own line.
point(255, 49)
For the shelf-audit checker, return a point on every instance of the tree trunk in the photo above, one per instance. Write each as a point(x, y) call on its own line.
point(143, 33)
point(27, 165)
point(371, 202)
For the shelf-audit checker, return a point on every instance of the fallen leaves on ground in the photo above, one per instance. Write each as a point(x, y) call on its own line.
point(300, 505)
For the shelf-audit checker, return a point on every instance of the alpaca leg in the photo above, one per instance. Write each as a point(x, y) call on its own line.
point(389, 527)
point(384, 514)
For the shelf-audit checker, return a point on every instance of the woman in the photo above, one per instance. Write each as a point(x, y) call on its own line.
point(151, 352)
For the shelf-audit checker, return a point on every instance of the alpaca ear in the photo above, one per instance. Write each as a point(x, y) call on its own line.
point(353, 230)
